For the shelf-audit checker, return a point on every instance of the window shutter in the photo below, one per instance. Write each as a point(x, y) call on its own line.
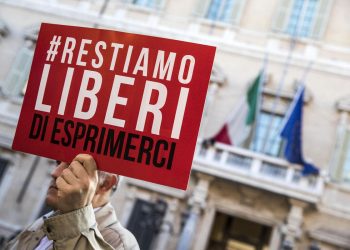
point(320, 21)
point(19, 72)
point(282, 15)
point(201, 8)
point(236, 11)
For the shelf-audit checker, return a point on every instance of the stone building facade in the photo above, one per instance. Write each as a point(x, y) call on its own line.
point(238, 197)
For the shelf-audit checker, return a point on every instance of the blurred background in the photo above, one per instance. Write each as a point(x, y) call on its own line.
point(272, 163)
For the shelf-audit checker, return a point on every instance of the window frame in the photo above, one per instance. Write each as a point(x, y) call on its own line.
point(21, 72)
point(272, 136)
point(341, 148)
point(345, 159)
point(159, 7)
point(284, 11)
point(285, 100)
point(202, 9)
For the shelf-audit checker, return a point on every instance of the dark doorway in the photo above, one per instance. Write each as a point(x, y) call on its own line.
point(145, 221)
point(233, 233)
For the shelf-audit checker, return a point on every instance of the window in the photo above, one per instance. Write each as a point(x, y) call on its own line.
point(226, 11)
point(267, 134)
point(305, 16)
point(346, 160)
point(220, 10)
point(302, 18)
point(17, 78)
point(152, 4)
point(342, 173)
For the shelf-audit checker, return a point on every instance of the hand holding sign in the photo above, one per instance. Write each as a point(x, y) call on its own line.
point(133, 102)
point(77, 184)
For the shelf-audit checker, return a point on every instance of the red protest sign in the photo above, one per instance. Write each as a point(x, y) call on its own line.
point(132, 101)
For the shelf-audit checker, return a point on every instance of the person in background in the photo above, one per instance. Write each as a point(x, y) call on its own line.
point(83, 217)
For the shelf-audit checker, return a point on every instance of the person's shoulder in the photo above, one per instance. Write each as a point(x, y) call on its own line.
point(112, 230)
point(120, 238)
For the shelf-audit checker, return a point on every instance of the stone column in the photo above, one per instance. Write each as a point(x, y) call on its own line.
point(203, 232)
point(275, 240)
point(188, 233)
point(197, 202)
point(292, 230)
point(166, 229)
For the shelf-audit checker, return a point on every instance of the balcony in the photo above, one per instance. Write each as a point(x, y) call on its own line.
point(257, 170)
point(227, 162)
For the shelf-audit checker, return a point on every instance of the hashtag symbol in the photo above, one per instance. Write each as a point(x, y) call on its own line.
point(52, 52)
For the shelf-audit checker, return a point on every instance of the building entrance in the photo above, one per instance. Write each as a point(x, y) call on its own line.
point(233, 233)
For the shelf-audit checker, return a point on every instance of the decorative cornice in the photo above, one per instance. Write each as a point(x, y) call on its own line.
point(336, 238)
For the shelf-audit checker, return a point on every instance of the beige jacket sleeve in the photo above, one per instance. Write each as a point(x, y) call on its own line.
point(75, 230)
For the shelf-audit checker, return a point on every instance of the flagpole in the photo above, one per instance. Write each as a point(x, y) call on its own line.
point(292, 106)
point(284, 74)
point(278, 96)
point(301, 85)
point(306, 71)
point(259, 102)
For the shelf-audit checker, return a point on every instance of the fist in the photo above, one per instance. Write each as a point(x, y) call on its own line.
point(77, 184)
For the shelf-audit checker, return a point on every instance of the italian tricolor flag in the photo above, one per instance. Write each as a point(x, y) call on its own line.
point(238, 128)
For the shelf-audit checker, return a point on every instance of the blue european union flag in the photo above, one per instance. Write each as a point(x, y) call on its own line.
point(292, 132)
